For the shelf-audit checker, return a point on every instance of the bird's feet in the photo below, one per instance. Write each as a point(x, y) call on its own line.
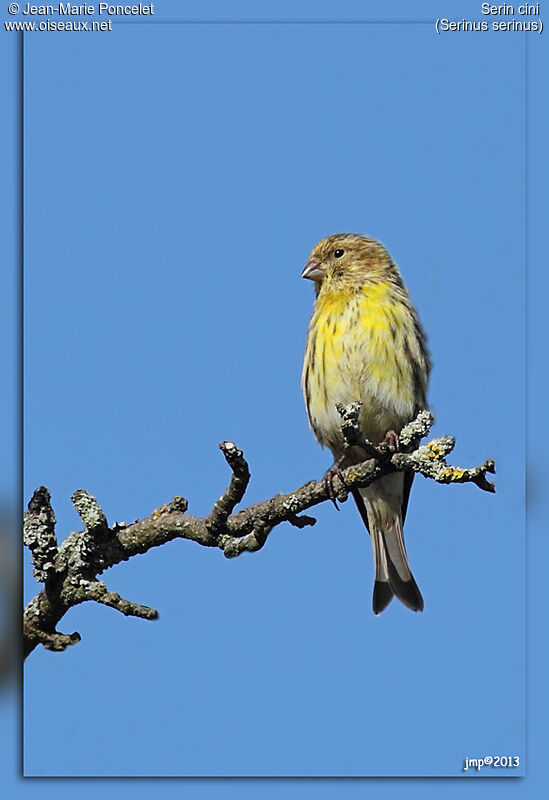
point(391, 441)
point(328, 479)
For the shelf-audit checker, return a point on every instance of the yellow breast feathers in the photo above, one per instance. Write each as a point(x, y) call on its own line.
point(362, 345)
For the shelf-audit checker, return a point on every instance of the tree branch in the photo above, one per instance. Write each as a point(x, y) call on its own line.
point(69, 571)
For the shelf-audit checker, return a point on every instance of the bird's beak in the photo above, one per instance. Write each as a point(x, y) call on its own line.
point(313, 270)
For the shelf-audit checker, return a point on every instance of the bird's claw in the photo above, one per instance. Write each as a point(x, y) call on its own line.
point(328, 481)
point(391, 441)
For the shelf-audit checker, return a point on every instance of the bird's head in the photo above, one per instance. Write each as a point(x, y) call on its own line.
point(347, 258)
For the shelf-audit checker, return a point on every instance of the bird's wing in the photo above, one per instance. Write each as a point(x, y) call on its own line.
point(361, 508)
point(408, 480)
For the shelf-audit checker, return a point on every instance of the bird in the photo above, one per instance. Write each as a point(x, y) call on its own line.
point(365, 343)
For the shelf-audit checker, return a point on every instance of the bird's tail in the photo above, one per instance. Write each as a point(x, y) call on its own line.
point(380, 506)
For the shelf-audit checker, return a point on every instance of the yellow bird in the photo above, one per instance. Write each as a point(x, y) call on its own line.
point(365, 343)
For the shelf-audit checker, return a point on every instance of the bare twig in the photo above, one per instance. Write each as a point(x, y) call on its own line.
point(89, 510)
point(39, 534)
point(97, 590)
point(351, 431)
point(69, 571)
point(232, 496)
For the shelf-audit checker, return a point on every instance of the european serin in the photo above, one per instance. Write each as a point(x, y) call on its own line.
point(365, 343)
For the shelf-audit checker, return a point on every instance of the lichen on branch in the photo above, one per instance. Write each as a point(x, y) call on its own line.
point(70, 571)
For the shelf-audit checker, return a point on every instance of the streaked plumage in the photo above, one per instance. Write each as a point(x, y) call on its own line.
point(365, 343)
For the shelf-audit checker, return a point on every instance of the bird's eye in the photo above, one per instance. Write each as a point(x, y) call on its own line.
point(338, 253)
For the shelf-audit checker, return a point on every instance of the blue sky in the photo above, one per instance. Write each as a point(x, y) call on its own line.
point(176, 178)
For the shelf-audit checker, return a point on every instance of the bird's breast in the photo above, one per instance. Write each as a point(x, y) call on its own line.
point(358, 348)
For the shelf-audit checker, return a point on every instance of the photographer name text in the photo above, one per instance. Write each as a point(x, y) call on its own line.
point(102, 9)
